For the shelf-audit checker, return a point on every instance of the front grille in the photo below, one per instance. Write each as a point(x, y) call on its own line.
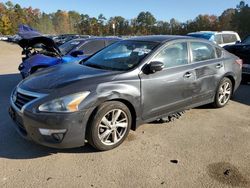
point(22, 99)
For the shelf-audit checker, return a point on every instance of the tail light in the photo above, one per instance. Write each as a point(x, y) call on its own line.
point(239, 62)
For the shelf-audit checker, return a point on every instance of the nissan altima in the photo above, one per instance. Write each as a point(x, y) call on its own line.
point(134, 81)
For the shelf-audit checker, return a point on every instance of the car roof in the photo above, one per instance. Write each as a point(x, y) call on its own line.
point(159, 38)
point(97, 38)
point(212, 32)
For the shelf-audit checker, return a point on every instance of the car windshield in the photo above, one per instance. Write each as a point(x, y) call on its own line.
point(202, 35)
point(121, 56)
point(68, 46)
point(246, 40)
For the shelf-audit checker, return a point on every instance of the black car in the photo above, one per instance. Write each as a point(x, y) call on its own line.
point(242, 50)
point(121, 87)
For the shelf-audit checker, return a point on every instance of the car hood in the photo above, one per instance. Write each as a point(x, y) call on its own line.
point(62, 75)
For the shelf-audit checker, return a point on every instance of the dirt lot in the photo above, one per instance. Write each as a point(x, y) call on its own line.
point(211, 148)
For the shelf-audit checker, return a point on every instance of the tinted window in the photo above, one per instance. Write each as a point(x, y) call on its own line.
point(229, 38)
point(246, 40)
point(108, 42)
point(218, 39)
point(202, 51)
point(173, 55)
point(68, 46)
point(91, 47)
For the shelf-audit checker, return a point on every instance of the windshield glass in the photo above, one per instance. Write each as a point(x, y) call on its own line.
point(121, 56)
point(68, 46)
point(246, 40)
point(203, 36)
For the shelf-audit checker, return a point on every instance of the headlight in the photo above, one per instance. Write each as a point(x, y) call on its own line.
point(68, 103)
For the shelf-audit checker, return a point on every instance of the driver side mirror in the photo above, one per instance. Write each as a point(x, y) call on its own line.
point(153, 66)
point(76, 53)
point(238, 42)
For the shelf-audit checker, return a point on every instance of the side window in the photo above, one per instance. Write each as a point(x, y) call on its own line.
point(218, 39)
point(202, 51)
point(92, 46)
point(173, 55)
point(229, 38)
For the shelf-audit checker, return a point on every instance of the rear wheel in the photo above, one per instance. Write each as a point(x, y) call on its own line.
point(224, 93)
point(110, 125)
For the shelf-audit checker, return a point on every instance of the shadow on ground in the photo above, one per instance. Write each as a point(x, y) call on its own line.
point(242, 95)
point(12, 146)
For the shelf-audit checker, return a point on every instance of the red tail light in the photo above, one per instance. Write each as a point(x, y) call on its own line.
point(239, 62)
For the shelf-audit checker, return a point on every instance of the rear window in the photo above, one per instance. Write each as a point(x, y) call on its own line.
point(229, 38)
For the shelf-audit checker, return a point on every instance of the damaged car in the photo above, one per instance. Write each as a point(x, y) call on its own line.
point(126, 84)
point(41, 52)
point(242, 50)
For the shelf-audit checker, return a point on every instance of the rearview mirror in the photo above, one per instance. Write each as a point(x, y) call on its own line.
point(154, 66)
point(76, 53)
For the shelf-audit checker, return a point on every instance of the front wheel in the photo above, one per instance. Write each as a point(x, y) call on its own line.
point(223, 93)
point(110, 125)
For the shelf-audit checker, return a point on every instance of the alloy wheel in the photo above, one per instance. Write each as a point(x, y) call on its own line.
point(113, 127)
point(224, 93)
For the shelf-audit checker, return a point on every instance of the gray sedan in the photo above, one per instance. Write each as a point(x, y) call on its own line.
point(121, 87)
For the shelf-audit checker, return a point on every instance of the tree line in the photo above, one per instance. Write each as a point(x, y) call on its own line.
point(59, 22)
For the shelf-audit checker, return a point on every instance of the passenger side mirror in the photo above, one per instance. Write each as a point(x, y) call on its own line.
point(76, 53)
point(154, 66)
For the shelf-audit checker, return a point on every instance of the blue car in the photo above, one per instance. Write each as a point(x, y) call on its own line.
point(41, 52)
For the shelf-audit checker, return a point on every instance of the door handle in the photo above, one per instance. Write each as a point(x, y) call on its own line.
point(219, 66)
point(188, 75)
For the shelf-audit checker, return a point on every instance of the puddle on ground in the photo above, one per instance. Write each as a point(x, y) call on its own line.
point(228, 174)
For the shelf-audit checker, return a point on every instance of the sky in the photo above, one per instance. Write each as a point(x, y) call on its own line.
point(182, 10)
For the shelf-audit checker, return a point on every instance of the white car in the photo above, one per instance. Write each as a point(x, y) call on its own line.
point(3, 38)
point(221, 38)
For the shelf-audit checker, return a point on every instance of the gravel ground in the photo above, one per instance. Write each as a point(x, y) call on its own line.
point(205, 148)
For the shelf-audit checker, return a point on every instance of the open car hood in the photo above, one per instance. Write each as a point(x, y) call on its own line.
point(47, 43)
point(32, 38)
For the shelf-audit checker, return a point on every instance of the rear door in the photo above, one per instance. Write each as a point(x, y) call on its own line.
point(207, 62)
point(172, 88)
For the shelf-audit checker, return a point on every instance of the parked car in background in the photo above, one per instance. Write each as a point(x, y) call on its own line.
point(14, 38)
point(242, 50)
point(61, 39)
point(3, 38)
point(42, 52)
point(221, 38)
point(124, 85)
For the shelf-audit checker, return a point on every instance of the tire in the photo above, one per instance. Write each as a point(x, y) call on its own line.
point(223, 93)
point(104, 132)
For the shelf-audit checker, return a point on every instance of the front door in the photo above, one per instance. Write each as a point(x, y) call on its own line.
point(172, 88)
